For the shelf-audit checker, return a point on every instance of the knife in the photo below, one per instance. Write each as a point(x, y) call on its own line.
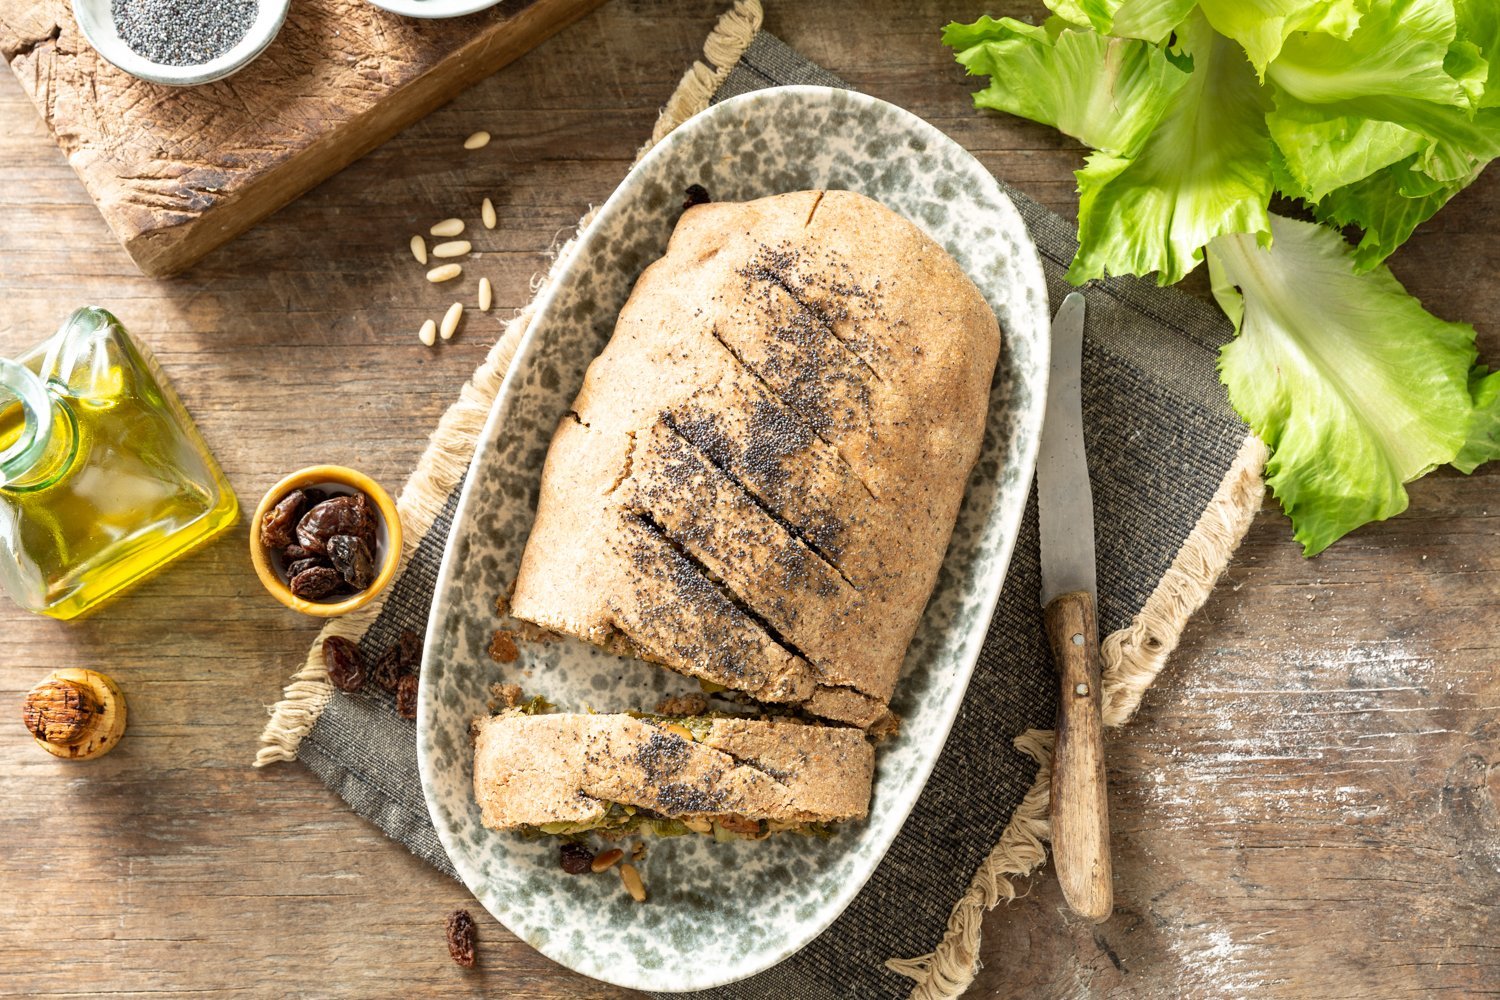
point(1065, 506)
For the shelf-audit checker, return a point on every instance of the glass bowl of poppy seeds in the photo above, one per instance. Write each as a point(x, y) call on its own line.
point(180, 43)
point(325, 540)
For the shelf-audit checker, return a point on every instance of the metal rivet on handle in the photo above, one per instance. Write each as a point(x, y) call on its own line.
point(1081, 690)
point(1078, 638)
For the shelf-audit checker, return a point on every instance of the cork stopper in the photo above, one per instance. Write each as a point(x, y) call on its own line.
point(75, 714)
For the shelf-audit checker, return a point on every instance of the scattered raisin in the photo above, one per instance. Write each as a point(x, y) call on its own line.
point(697, 194)
point(406, 696)
point(503, 647)
point(461, 938)
point(346, 668)
point(342, 515)
point(351, 557)
point(576, 859)
point(319, 581)
point(411, 650)
point(277, 525)
point(387, 670)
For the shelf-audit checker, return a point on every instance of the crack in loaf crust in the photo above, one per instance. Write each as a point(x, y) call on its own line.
point(760, 475)
point(531, 770)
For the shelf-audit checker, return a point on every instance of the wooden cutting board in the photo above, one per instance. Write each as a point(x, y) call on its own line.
point(178, 171)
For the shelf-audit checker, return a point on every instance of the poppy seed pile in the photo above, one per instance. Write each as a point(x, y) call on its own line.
point(182, 32)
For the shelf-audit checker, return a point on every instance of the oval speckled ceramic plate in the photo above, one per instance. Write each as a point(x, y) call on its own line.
point(720, 912)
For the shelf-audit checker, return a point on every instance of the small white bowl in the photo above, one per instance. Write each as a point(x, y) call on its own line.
point(98, 26)
point(433, 8)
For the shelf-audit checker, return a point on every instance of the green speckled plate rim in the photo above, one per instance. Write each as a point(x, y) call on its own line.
point(704, 974)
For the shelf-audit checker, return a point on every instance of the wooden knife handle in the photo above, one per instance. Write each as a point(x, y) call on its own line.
point(1080, 801)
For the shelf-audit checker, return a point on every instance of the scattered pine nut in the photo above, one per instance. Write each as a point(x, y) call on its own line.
point(633, 883)
point(453, 248)
point(428, 333)
point(486, 294)
point(450, 320)
point(605, 859)
point(448, 227)
point(478, 140)
point(444, 272)
point(419, 249)
point(487, 213)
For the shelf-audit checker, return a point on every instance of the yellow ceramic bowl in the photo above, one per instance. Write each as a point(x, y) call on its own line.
point(337, 479)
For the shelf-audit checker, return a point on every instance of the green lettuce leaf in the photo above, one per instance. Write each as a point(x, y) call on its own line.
point(1263, 26)
point(1149, 20)
point(1324, 151)
point(1204, 171)
point(1375, 113)
point(962, 37)
point(1317, 141)
point(1380, 129)
point(1404, 72)
point(1398, 51)
point(1083, 13)
point(1467, 64)
point(1355, 388)
point(1387, 206)
point(1479, 26)
point(1483, 444)
point(1108, 93)
point(1461, 143)
point(1152, 20)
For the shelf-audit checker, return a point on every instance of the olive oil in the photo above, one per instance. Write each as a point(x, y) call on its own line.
point(103, 477)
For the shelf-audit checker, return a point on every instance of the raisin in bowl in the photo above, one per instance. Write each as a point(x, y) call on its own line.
point(325, 540)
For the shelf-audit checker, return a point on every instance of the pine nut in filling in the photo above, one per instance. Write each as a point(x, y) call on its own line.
point(478, 140)
point(487, 213)
point(606, 859)
point(444, 272)
point(633, 883)
point(486, 294)
point(450, 320)
point(419, 249)
point(428, 333)
point(448, 227)
point(453, 248)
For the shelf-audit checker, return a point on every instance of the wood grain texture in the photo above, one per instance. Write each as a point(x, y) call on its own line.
point(1306, 806)
point(1080, 798)
point(179, 171)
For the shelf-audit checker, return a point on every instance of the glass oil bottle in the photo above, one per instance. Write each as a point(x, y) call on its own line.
point(103, 477)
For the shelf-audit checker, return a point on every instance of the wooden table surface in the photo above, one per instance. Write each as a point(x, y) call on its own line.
point(1308, 804)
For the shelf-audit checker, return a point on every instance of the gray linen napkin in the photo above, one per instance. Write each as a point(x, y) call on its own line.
point(1160, 437)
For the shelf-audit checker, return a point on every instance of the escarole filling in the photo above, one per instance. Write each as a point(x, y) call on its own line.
point(622, 820)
